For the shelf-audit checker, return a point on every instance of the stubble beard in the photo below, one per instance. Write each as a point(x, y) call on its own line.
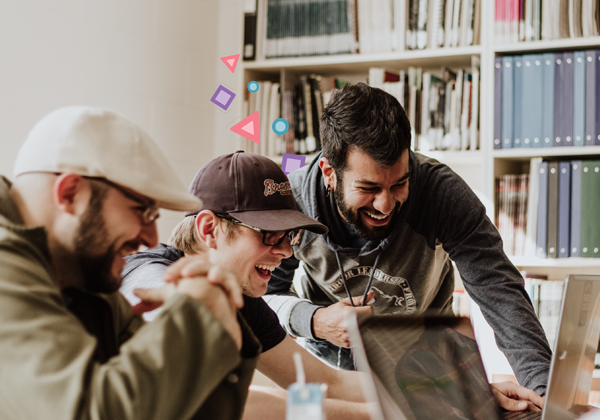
point(352, 216)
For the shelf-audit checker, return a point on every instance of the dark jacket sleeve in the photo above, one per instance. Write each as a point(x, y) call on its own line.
point(492, 281)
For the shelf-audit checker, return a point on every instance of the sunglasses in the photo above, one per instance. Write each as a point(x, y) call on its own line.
point(270, 238)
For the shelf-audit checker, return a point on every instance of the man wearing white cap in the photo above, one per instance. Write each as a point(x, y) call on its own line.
point(88, 186)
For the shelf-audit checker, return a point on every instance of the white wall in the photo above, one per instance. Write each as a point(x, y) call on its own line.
point(156, 61)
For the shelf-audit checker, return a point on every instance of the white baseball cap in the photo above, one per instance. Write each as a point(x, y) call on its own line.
point(100, 143)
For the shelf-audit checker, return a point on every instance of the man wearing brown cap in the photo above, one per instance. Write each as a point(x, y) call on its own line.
point(87, 189)
point(248, 224)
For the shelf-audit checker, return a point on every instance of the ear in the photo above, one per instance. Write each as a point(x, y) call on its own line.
point(328, 173)
point(71, 193)
point(207, 224)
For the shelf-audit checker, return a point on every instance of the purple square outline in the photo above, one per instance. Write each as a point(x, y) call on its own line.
point(220, 89)
point(292, 162)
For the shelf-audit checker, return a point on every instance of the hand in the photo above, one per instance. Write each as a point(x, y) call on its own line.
point(513, 397)
point(330, 323)
point(213, 297)
point(190, 267)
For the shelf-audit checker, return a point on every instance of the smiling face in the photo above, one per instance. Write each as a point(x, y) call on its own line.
point(369, 196)
point(110, 229)
point(244, 255)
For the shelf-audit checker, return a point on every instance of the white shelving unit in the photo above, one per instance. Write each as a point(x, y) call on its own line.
point(478, 168)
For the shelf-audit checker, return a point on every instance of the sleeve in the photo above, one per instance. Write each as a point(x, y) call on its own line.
point(295, 314)
point(263, 322)
point(166, 370)
point(147, 275)
point(490, 278)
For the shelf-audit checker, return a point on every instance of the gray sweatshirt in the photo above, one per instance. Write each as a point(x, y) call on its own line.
point(410, 270)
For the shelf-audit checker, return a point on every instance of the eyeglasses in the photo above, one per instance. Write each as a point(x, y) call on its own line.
point(149, 211)
point(270, 238)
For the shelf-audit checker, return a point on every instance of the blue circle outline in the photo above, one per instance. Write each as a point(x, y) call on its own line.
point(255, 83)
point(280, 132)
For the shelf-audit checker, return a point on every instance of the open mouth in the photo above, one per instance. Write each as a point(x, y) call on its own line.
point(264, 270)
point(377, 219)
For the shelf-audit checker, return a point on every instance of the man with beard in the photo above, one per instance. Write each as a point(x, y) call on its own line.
point(87, 191)
point(396, 219)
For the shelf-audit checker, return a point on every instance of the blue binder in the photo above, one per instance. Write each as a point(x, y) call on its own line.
point(564, 209)
point(559, 75)
point(518, 101)
point(548, 100)
point(552, 221)
point(567, 98)
point(532, 97)
point(542, 219)
point(507, 102)
point(590, 99)
point(575, 208)
point(597, 99)
point(498, 103)
point(579, 99)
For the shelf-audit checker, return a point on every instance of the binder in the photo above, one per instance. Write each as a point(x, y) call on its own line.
point(564, 208)
point(597, 99)
point(249, 30)
point(542, 219)
point(591, 96)
point(559, 70)
point(552, 238)
point(575, 208)
point(588, 213)
point(548, 100)
point(532, 95)
point(567, 98)
point(579, 99)
point(518, 101)
point(498, 103)
point(595, 196)
point(507, 102)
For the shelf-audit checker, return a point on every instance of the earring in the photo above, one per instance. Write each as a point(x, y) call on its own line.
point(328, 191)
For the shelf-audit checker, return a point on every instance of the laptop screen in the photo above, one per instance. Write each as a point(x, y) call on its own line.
point(429, 366)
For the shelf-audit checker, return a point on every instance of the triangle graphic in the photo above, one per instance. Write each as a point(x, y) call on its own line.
point(249, 128)
point(231, 61)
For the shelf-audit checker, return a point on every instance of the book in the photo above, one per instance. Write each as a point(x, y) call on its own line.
point(552, 238)
point(532, 206)
point(498, 103)
point(507, 102)
point(548, 100)
point(566, 101)
point(589, 205)
point(542, 219)
point(579, 81)
point(532, 97)
point(575, 238)
point(564, 209)
point(591, 96)
point(249, 52)
point(559, 83)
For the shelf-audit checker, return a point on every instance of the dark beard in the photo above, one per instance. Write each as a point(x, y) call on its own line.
point(368, 233)
point(95, 270)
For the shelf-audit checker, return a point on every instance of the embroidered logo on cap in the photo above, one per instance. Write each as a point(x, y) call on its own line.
point(271, 187)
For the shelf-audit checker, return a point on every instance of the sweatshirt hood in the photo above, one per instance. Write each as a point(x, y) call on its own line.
point(162, 253)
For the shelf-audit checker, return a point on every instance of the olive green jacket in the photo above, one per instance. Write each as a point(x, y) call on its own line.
point(182, 365)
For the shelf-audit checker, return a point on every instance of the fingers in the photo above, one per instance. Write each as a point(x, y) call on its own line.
point(229, 284)
point(143, 307)
point(368, 299)
point(157, 295)
point(508, 403)
point(512, 394)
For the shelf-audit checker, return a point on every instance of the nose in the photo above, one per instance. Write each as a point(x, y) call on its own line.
point(284, 248)
point(384, 202)
point(149, 235)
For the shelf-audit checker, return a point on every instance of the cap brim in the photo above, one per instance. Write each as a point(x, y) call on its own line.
point(277, 220)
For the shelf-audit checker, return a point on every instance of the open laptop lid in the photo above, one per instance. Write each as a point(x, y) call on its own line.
point(575, 349)
point(422, 368)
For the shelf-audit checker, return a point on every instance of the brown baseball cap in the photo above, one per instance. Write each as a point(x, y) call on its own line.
point(252, 189)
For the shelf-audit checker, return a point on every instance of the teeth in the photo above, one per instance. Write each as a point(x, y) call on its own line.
point(378, 217)
point(266, 267)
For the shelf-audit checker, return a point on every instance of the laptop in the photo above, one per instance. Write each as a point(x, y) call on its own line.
point(429, 367)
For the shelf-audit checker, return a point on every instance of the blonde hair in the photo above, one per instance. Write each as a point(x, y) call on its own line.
point(185, 238)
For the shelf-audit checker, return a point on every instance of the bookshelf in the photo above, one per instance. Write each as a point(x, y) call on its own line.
point(479, 168)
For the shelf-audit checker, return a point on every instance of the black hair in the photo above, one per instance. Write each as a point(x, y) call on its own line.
point(364, 118)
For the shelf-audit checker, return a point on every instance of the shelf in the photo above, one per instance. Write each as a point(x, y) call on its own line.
point(573, 262)
point(456, 158)
point(528, 153)
point(432, 58)
point(554, 45)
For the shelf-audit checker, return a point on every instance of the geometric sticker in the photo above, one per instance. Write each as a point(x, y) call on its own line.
point(249, 127)
point(222, 97)
point(292, 162)
point(231, 61)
